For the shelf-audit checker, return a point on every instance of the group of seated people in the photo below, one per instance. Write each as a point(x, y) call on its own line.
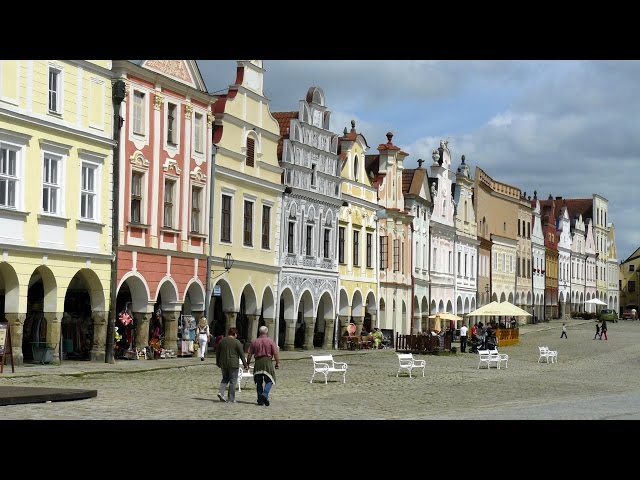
point(376, 336)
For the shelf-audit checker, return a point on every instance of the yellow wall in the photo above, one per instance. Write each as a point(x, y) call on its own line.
point(260, 183)
point(83, 130)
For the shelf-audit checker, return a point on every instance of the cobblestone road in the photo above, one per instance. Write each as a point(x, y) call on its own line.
point(588, 372)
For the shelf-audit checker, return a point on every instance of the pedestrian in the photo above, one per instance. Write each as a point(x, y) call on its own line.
point(597, 332)
point(229, 354)
point(185, 338)
point(203, 336)
point(264, 349)
point(463, 338)
point(603, 330)
point(156, 326)
point(564, 331)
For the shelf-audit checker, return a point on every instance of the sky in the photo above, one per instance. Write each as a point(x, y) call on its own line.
point(561, 128)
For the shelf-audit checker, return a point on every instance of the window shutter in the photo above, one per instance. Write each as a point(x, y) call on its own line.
point(250, 148)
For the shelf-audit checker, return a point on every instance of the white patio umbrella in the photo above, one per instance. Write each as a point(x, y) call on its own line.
point(595, 301)
point(444, 316)
point(499, 309)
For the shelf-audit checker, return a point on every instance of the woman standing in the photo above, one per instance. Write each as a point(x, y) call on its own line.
point(203, 336)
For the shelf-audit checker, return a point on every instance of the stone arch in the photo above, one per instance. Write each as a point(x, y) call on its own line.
point(466, 305)
point(502, 297)
point(168, 291)
point(286, 319)
point(510, 297)
point(196, 293)
point(459, 305)
point(343, 309)
point(357, 309)
point(449, 306)
point(139, 289)
point(10, 285)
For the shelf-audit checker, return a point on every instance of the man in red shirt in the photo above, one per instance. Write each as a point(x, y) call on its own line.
point(264, 349)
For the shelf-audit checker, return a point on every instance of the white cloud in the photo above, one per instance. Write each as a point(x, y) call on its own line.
point(565, 128)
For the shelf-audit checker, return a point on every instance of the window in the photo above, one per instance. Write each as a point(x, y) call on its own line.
point(459, 263)
point(248, 224)
point(313, 175)
point(383, 252)
point(138, 113)
point(355, 168)
point(369, 249)
point(396, 255)
point(341, 244)
point(136, 197)
point(356, 248)
point(266, 226)
point(172, 123)
point(519, 234)
point(632, 285)
point(292, 226)
point(88, 192)
point(197, 132)
point(55, 97)
point(50, 184)
point(434, 258)
point(631, 267)
point(8, 177)
point(327, 242)
point(225, 228)
point(196, 201)
point(466, 258)
point(309, 239)
point(169, 186)
point(402, 257)
point(250, 151)
point(528, 229)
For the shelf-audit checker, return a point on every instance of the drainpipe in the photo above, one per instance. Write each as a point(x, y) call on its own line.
point(118, 94)
point(212, 173)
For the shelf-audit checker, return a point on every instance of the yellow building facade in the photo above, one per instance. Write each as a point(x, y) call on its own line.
point(246, 209)
point(358, 282)
point(55, 205)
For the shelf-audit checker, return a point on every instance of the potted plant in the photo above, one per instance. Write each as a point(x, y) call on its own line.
point(156, 347)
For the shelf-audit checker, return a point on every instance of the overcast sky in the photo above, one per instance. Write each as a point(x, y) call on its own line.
point(563, 128)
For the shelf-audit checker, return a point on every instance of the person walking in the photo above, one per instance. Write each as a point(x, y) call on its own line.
point(564, 331)
point(603, 330)
point(229, 354)
point(463, 338)
point(264, 349)
point(203, 336)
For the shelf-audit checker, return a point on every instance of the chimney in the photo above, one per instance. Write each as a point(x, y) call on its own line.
point(420, 163)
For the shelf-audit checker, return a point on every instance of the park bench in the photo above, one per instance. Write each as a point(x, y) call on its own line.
point(326, 365)
point(502, 357)
point(408, 363)
point(244, 375)
point(487, 357)
point(547, 354)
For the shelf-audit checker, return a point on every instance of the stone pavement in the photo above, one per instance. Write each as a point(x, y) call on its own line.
point(589, 372)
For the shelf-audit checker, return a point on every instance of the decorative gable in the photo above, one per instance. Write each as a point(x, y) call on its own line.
point(183, 71)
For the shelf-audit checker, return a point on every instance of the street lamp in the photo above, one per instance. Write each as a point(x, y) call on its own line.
point(118, 94)
point(227, 262)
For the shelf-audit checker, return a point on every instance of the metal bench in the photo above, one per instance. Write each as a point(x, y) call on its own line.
point(326, 365)
point(408, 363)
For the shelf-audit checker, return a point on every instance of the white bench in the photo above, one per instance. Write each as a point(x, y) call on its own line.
point(487, 357)
point(547, 354)
point(502, 357)
point(408, 363)
point(326, 365)
point(244, 375)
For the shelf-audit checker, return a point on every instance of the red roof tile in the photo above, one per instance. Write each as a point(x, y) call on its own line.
point(284, 121)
